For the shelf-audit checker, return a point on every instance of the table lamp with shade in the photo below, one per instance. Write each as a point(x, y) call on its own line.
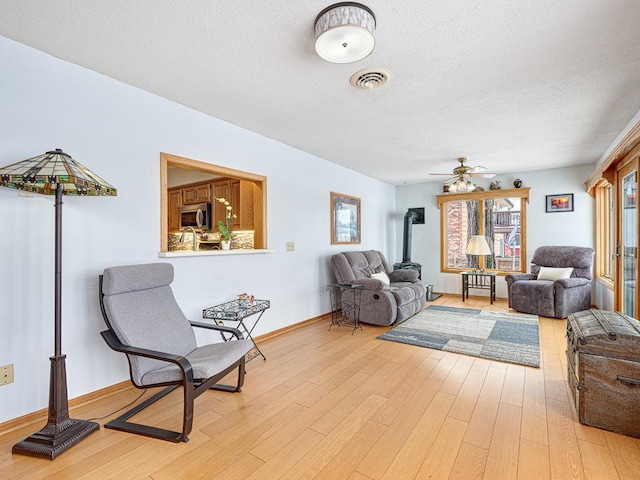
point(55, 173)
point(478, 245)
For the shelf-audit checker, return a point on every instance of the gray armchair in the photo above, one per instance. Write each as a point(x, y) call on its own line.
point(532, 293)
point(381, 303)
point(147, 325)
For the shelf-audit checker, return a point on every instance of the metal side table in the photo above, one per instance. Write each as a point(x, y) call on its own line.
point(345, 304)
point(480, 280)
point(238, 311)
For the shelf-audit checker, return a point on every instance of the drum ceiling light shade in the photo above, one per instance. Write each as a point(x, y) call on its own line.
point(344, 32)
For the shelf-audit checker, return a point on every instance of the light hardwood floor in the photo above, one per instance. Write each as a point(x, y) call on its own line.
point(331, 405)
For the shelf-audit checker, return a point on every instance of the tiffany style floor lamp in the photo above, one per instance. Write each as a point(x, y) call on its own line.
point(55, 173)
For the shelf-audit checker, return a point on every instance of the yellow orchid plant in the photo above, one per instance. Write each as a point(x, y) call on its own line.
point(225, 227)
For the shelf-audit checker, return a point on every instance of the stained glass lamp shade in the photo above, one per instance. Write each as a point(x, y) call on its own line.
point(44, 173)
point(55, 173)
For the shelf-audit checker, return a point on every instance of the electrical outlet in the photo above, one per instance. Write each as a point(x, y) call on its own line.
point(6, 374)
point(291, 246)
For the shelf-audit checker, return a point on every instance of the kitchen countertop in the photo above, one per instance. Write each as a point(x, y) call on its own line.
point(213, 253)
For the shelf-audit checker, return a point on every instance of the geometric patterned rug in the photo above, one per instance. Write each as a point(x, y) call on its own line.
point(506, 337)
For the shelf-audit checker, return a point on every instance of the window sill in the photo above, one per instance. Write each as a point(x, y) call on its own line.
point(605, 282)
point(213, 253)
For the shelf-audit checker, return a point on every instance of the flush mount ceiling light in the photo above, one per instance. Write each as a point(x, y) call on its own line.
point(344, 32)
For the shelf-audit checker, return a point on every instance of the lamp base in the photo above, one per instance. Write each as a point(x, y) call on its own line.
point(53, 440)
point(61, 432)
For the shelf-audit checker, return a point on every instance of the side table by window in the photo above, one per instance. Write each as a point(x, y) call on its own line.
point(345, 304)
point(479, 280)
point(238, 311)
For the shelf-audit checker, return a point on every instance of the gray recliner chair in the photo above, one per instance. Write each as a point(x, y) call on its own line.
point(380, 303)
point(542, 292)
point(147, 325)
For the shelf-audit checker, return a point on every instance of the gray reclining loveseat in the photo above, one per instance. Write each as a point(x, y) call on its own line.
point(382, 303)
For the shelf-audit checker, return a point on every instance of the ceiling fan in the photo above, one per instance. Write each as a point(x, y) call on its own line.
point(459, 179)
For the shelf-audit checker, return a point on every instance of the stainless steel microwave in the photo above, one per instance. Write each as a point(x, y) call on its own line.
point(197, 215)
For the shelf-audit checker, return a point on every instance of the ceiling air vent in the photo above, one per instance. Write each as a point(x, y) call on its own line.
point(370, 78)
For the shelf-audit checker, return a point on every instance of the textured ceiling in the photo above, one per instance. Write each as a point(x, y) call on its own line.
point(512, 85)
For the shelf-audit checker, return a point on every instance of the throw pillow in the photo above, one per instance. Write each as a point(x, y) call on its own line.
point(382, 276)
point(552, 273)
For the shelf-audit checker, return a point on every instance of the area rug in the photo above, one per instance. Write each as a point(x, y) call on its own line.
point(507, 337)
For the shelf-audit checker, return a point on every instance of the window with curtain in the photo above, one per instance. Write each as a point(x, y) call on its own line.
point(498, 215)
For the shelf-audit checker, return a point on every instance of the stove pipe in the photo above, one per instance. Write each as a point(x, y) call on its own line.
point(409, 217)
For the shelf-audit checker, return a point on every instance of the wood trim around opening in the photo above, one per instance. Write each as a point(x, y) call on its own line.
point(630, 141)
point(260, 201)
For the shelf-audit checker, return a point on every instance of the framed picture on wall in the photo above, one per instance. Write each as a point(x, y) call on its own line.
point(560, 203)
point(345, 219)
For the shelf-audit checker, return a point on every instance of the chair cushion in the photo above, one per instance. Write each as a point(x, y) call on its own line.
point(406, 292)
point(533, 296)
point(563, 256)
point(129, 278)
point(206, 361)
point(382, 276)
point(552, 273)
point(143, 312)
point(350, 266)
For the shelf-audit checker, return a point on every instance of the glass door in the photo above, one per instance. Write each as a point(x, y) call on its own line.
point(628, 239)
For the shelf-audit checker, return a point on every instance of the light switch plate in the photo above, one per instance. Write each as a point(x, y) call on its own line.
point(6, 374)
point(291, 246)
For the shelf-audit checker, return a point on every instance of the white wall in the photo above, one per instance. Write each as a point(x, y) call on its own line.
point(562, 228)
point(118, 132)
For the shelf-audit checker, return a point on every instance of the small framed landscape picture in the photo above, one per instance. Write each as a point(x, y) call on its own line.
point(345, 219)
point(560, 203)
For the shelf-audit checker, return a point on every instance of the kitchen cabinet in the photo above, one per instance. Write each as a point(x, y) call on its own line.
point(235, 203)
point(240, 194)
point(221, 189)
point(174, 204)
point(243, 198)
point(197, 193)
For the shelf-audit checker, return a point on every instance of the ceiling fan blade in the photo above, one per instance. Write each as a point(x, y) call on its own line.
point(446, 174)
point(482, 175)
point(477, 168)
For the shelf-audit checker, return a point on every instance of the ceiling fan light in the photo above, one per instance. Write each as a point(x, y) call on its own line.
point(344, 32)
point(461, 186)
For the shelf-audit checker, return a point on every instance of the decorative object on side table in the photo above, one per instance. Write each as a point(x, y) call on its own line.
point(494, 185)
point(477, 246)
point(245, 298)
point(225, 227)
point(56, 173)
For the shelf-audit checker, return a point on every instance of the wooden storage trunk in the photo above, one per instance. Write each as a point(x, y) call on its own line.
point(603, 363)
